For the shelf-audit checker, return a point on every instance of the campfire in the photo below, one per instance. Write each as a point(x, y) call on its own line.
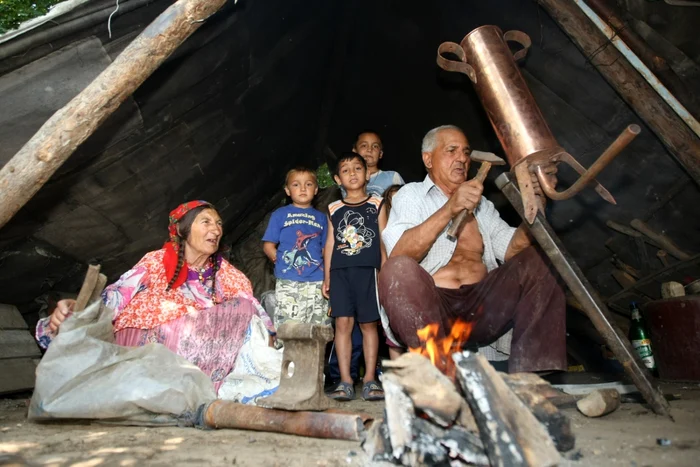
point(440, 350)
point(449, 407)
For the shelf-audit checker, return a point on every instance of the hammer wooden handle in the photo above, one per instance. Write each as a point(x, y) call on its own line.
point(458, 221)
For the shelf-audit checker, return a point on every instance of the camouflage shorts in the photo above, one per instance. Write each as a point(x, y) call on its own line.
point(300, 301)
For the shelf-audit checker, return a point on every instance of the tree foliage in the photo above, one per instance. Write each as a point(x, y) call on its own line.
point(14, 12)
point(323, 175)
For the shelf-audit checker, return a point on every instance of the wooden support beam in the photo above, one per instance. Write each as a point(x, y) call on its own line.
point(510, 432)
point(60, 136)
point(678, 138)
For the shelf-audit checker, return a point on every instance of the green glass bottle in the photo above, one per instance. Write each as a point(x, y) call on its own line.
point(640, 339)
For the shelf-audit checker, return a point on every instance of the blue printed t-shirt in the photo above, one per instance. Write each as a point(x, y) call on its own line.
point(356, 229)
point(300, 234)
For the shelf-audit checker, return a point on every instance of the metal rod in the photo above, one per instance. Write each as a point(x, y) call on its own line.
point(625, 138)
point(591, 303)
point(638, 65)
point(227, 414)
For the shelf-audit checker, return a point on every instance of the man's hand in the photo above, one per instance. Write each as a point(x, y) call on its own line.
point(550, 175)
point(63, 310)
point(467, 196)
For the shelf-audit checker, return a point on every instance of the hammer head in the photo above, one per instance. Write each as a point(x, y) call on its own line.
point(481, 156)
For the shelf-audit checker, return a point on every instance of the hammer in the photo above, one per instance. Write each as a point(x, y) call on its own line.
point(487, 159)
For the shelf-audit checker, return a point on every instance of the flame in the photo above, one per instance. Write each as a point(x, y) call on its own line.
point(440, 349)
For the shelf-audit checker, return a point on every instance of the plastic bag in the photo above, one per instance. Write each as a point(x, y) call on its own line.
point(84, 374)
point(256, 373)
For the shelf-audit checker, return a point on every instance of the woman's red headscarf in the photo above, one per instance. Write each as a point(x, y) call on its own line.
point(172, 245)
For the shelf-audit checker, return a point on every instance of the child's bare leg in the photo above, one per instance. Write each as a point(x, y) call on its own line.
point(395, 352)
point(343, 346)
point(370, 347)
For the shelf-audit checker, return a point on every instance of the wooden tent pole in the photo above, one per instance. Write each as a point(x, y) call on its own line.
point(60, 136)
point(680, 141)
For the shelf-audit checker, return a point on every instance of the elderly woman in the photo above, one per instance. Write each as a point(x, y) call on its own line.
point(184, 296)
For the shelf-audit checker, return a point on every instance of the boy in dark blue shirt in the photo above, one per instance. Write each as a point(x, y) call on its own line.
point(354, 252)
point(294, 241)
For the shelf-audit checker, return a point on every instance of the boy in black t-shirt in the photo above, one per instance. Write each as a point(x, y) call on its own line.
point(353, 254)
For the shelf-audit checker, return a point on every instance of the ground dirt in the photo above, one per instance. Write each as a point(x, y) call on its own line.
point(627, 437)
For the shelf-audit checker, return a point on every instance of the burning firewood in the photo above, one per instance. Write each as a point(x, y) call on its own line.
point(431, 392)
point(510, 432)
point(424, 416)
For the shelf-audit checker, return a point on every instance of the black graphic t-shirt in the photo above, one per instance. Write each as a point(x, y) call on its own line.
point(356, 233)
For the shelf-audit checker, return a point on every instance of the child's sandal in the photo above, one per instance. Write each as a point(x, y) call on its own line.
point(343, 392)
point(372, 386)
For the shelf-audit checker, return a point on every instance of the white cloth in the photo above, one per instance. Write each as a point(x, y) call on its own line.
point(414, 203)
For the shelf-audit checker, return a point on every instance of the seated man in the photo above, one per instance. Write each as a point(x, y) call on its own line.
point(430, 279)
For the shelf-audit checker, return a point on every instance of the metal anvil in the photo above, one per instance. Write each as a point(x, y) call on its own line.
point(301, 381)
point(484, 56)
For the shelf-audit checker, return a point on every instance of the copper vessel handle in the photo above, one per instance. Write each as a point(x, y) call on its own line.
point(522, 39)
point(588, 176)
point(460, 66)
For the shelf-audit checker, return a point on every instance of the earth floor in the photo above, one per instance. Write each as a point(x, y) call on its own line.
point(627, 437)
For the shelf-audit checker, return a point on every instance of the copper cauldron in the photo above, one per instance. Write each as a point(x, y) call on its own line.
point(484, 56)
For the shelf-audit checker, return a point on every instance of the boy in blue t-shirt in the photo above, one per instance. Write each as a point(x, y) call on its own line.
point(354, 252)
point(294, 241)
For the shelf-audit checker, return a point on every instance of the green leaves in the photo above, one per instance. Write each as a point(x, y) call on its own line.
point(323, 174)
point(14, 12)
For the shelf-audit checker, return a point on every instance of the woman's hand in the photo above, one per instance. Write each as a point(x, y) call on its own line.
point(63, 310)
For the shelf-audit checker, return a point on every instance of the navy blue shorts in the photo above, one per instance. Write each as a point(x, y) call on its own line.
point(354, 294)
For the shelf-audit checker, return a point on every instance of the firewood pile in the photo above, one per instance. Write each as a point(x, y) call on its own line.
point(484, 418)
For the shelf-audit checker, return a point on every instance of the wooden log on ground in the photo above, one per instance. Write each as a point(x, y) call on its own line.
point(510, 432)
point(59, 137)
point(678, 138)
point(599, 402)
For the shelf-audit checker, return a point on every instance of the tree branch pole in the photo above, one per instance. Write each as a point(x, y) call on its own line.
point(60, 136)
point(680, 141)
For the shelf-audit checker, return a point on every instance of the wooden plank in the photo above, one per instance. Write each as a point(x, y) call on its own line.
point(23, 372)
point(11, 318)
point(15, 344)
